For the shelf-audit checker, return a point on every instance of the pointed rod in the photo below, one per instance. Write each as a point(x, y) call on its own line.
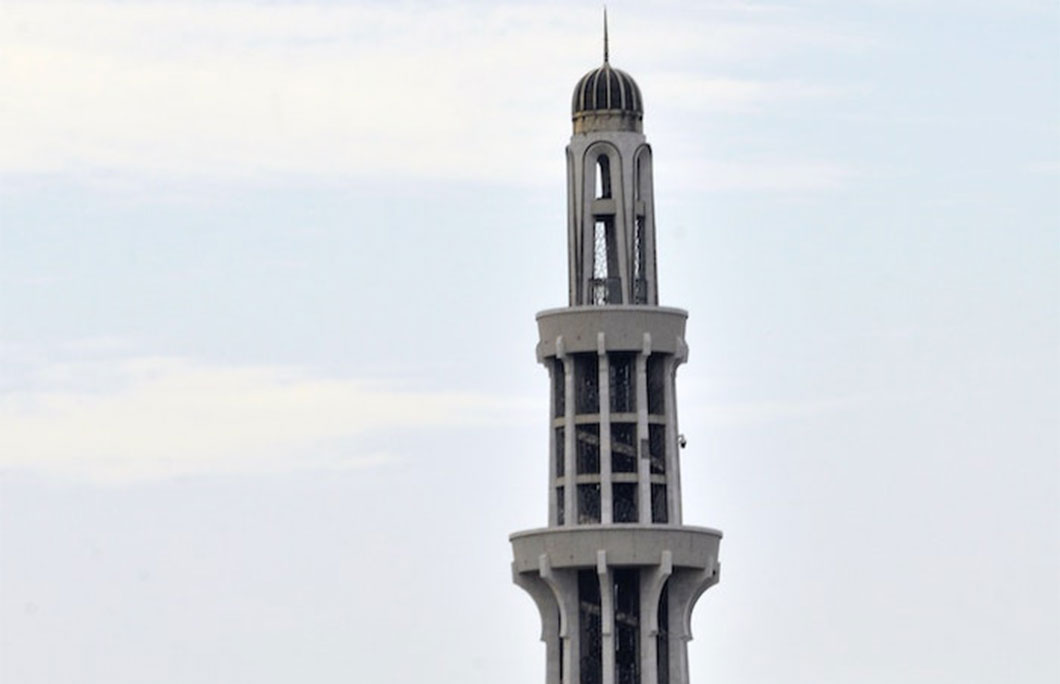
point(605, 34)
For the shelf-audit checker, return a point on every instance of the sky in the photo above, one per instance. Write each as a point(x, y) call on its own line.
point(269, 406)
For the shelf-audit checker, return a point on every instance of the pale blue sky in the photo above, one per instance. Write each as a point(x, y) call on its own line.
point(268, 272)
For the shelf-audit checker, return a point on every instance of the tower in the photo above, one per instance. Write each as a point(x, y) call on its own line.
point(616, 573)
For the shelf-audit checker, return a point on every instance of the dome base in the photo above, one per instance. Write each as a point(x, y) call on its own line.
point(608, 120)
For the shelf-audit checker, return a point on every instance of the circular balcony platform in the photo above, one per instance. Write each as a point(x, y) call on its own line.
point(624, 329)
point(632, 545)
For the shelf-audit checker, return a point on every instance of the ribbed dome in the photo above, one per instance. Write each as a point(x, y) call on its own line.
point(606, 89)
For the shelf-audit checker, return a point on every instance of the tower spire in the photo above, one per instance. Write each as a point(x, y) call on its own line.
point(605, 35)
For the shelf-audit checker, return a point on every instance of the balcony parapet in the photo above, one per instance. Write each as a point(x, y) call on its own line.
point(625, 544)
point(624, 328)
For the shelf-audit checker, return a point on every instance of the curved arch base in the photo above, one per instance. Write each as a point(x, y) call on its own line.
point(681, 561)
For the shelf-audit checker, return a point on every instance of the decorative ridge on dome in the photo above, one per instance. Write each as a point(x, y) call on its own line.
point(606, 88)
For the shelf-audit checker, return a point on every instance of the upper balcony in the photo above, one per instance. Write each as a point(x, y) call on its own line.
point(624, 328)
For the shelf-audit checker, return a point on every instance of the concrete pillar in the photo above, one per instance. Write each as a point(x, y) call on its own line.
point(607, 616)
point(673, 477)
point(604, 379)
point(569, 489)
point(652, 581)
point(644, 460)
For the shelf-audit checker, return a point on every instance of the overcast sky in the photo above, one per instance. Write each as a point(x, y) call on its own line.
point(268, 274)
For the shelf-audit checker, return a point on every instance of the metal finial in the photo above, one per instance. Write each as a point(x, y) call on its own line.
point(605, 34)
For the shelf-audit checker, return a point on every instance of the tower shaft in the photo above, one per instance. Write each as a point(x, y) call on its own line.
point(611, 219)
point(615, 574)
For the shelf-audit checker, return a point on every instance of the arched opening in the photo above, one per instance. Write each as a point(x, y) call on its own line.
point(606, 283)
point(642, 175)
point(642, 242)
point(603, 177)
point(636, 181)
point(590, 627)
point(640, 276)
point(627, 625)
point(662, 637)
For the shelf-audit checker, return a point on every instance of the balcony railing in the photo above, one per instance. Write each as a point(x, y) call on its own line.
point(640, 291)
point(606, 290)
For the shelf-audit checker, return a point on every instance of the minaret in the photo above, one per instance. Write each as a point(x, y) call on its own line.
point(616, 573)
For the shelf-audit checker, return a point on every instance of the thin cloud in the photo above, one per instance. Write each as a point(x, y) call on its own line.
point(779, 175)
point(155, 417)
point(240, 90)
point(751, 414)
point(698, 94)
